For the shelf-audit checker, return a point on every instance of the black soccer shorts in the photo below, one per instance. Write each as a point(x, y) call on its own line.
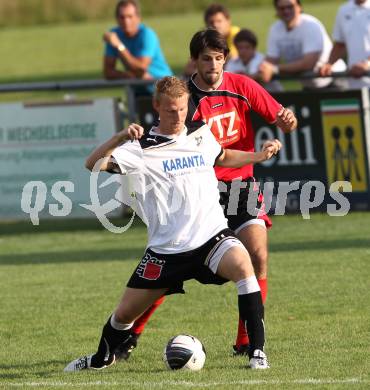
point(235, 203)
point(157, 270)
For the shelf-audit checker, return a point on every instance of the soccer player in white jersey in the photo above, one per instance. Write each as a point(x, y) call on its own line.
point(189, 241)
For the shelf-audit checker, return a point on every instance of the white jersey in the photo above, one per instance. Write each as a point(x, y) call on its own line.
point(352, 27)
point(308, 36)
point(236, 65)
point(175, 187)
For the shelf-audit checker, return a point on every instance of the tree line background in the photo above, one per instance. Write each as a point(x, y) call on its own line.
point(33, 12)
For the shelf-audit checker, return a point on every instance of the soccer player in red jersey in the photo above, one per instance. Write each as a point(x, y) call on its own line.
point(224, 101)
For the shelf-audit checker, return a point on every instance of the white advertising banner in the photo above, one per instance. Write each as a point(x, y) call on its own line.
point(43, 148)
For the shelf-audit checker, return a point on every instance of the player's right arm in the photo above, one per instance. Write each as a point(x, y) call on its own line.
point(100, 158)
point(236, 158)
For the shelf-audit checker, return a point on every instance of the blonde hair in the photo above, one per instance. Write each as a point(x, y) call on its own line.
point(170, 86)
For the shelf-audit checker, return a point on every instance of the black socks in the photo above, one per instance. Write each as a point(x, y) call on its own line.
point(251, 312)
point(109, 341)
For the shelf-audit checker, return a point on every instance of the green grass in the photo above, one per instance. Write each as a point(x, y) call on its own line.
point(61, 280)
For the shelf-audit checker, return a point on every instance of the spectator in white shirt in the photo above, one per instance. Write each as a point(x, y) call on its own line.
point(248, 59)
point(352, 40)
point(297, 43)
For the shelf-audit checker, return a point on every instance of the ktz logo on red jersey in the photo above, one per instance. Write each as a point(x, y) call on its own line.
point(150, 267)
point(225, 127)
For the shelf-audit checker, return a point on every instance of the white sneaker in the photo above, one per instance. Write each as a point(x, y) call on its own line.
point(84, 363)
point(258, 361)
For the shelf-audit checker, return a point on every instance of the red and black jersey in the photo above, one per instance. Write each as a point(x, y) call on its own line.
point(227, 112)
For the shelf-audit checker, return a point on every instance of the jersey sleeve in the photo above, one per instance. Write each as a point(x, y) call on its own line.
point(261, 101)
point(213, 148)
point(129, 157)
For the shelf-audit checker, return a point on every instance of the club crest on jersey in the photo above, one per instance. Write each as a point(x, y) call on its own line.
point(150, 267)
point(199, 140)
point(176, 164)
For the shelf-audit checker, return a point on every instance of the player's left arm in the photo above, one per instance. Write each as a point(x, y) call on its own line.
point(286, 120)
point(268, 108)
point(236, 158)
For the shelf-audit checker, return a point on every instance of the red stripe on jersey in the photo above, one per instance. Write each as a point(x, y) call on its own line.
point(227, 112)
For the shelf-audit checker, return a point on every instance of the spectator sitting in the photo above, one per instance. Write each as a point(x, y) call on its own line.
point(351, 37)
point(297, 43)
point(217, 16)
point(249, 59)
point(135, 45)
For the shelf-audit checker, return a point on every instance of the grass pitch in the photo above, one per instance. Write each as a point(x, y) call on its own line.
point(61, 280)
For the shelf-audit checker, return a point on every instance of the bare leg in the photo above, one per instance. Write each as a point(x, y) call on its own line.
point(134, 302)
point(140, 323)
point(254, 238)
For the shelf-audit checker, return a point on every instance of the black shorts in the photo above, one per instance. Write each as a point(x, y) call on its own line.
point(157, 270)
point(235, 203)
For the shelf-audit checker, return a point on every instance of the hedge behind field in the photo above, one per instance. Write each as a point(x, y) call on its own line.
point(31, 12)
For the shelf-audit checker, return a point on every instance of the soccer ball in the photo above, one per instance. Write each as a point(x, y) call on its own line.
point(184, 352)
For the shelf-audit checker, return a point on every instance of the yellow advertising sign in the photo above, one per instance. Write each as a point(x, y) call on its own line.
point(344, 144)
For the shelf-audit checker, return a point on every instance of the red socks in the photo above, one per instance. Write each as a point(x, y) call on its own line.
point(140, 323)
point(263, 286)
point(242, 337)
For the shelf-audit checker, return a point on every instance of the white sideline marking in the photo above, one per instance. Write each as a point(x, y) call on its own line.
point(308, 381)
